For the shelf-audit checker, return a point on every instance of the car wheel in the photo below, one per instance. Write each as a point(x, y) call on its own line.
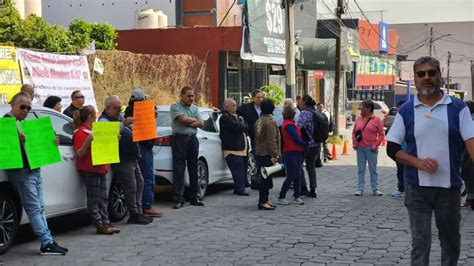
point(117, 204)
point(251, 167)
point(203, 178)
point(9, 221)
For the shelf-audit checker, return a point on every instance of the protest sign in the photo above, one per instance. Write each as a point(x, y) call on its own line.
point(144, 123)
point(10, 152)
point(105, 143)
point(39, 145)
point(56, 74)
point(10, 78)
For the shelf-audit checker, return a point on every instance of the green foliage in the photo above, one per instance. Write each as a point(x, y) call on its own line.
point(35, 32)
point(273, 92)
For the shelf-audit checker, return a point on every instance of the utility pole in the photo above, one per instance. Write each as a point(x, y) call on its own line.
point(337, 83)
point(431, 40)
point(447, 77)
point(290, 49)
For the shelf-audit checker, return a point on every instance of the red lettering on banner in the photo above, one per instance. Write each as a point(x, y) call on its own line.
point(38, 72)
point(59, 74)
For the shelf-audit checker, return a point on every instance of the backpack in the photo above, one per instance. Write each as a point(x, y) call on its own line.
point(321, 127)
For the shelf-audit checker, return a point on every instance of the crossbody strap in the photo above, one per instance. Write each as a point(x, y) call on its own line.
point(366, 123)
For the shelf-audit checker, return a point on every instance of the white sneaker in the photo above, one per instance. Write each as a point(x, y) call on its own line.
point(298, 201)
point(358, 193)
point(283, 201)
point(377, 193)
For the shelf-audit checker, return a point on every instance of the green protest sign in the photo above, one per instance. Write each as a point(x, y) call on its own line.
point(39, 142)
point(10, 152)
point(105, 145)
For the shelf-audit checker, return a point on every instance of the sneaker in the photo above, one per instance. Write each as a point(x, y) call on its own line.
point(358, 193)
point(397, 194)
point(298, 201)
point(377, 193)
point(53, 249)
point(138, 219)
point(312, 193)
point(282, 201)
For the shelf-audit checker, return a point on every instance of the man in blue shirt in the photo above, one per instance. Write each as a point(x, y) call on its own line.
point(435, 127)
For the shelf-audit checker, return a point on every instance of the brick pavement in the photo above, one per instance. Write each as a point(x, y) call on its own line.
point(337, 228)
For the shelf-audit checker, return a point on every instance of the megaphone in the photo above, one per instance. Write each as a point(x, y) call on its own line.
point(267, 171)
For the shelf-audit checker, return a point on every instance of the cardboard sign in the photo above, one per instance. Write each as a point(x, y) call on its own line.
point(39, 144)
point(10, 152)
point(105, 144)
point(144, 124)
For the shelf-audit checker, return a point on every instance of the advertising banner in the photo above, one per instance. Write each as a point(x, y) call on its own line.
point(55, 74)
point(264, 32)
point(10, 78)
point(383, 30)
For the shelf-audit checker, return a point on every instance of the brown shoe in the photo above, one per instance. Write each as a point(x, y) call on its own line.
point(104, 230)
point(152, 213)
point(115, 230)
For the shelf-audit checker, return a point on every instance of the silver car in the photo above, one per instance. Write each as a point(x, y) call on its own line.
point(64, 191)
point(212, 167)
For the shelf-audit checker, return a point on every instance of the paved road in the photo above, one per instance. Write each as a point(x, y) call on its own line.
point(337, 228)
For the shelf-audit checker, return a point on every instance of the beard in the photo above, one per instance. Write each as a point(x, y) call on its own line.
point(429, 91)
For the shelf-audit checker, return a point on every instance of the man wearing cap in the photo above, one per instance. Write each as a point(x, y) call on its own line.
point(186, 119)
point(145, 161)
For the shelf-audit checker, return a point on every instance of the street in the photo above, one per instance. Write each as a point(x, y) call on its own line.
point(336, 228)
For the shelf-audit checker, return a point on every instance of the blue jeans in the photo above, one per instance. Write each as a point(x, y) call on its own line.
point(28, 184)
point(293, 166)
point(146, 167)
point(365, 155)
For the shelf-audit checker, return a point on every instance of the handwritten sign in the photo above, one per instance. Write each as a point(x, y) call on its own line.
point(144, 124)
point(105, 145)
point(10, 152)
point(39, 145)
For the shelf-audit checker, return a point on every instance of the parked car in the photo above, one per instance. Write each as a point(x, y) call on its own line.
point(387, 123)
point(212, 167)
point(380, 109)
point(64, 191)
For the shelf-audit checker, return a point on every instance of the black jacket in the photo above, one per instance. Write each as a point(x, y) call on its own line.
point(231, 132)
point(247, 111)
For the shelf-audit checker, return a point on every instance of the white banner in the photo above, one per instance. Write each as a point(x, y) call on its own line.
point(55, 74)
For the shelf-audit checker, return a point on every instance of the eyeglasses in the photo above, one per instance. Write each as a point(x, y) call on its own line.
point(431, 73)
point(25, 107)
point(79, 97)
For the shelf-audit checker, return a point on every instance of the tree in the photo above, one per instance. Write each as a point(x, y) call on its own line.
point(80, 33)
point(273, 92)
point(9, 22)
point(104, 35)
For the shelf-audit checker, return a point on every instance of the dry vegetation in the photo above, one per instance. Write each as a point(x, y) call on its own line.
point(160, 76)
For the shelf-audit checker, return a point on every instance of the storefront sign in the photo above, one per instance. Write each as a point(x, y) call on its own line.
point(383, 30)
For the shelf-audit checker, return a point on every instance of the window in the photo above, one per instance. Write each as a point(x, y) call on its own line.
point(209, 118)
point(163, 119)
point(62, 126)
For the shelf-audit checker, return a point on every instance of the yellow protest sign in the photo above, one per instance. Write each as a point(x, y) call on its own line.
point(144, 121)
point(105, 144)
point(10, 78)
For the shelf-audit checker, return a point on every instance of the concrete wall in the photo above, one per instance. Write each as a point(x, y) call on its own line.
point(122, 14)
point(460, 44)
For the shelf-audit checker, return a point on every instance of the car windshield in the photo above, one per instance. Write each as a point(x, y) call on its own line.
point(163, 119)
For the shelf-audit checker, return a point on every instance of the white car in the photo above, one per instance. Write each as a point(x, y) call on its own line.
point(64, 191)
point(212, 167)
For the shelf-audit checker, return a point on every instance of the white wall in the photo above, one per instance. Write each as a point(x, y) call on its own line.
point(120, 13)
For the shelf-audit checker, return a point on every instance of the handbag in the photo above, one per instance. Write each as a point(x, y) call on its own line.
point(358, 133)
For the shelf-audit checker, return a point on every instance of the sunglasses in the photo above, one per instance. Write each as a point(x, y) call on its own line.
point(79, 97)
point(25, 107)
point(431, 73)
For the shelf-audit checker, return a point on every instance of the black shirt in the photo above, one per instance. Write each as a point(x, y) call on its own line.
point(70, 110)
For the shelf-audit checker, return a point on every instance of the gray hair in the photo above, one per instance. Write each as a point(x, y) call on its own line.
point(427, 60)
point(227, 101)
point(18, 96)
point(288, 101)
point(289, 111)
point(109, 100)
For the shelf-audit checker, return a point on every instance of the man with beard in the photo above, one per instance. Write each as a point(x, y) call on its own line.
point(435, 127)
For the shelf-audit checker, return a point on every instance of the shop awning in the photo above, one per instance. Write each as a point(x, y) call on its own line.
point(320, 54)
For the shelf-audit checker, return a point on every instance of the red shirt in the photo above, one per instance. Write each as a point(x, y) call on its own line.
point(290, 144)
point(85, 163)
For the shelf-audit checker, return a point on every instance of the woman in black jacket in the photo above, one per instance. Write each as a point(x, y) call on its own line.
point(234, 144)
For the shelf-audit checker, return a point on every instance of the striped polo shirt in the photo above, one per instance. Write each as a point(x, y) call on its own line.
point(436, 132)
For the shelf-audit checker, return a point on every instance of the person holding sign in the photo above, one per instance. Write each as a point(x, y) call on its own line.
point(185, 146)
point(94, 176)
point(144, 113)
point(28, 183)
point(127, 170)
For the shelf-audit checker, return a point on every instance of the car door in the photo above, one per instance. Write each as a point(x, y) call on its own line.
point(210, 147)
point(73, 190)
